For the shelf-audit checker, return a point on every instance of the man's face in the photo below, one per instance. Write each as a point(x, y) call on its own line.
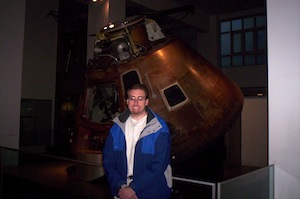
point(137, 102)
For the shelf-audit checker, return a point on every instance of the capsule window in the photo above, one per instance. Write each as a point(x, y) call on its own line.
point(130, 79)
point(174, 96)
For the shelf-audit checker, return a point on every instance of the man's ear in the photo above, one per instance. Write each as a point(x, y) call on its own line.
point(147, 101)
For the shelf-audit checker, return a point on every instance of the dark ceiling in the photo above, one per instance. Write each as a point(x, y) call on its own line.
point(207, 6)
point(216, 7)
point(223, 6)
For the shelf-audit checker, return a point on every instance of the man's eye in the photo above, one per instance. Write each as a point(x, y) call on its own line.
point(140, 98)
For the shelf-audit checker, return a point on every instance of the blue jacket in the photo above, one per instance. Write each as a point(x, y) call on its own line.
point(152, 175)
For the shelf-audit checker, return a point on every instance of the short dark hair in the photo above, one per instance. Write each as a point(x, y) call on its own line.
point(138, 86)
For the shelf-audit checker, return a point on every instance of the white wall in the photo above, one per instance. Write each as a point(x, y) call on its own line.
point(12, 18)
point(96, 20)
point(99, 15)
point(248, 76)
point(28, 43)
point(254, 132)
point(40, 52)
point(284, 95)
point(207, 42)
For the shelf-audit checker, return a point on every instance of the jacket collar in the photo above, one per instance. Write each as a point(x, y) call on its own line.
point(126, 113)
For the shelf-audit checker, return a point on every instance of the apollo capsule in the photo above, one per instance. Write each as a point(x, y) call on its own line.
point(198, 102)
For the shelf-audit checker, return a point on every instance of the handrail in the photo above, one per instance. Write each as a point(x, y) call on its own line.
point(54, 157)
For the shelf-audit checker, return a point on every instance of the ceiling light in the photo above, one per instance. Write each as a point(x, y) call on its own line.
point(111, 25)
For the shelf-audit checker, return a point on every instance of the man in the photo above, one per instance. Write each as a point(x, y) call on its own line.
point(136, 154)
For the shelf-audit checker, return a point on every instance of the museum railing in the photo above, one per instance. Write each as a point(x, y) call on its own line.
point(258, 184)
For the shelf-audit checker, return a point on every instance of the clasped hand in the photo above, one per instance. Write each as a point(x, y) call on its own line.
point(127, 193)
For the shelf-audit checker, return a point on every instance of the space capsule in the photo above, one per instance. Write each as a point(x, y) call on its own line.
point(197, 101)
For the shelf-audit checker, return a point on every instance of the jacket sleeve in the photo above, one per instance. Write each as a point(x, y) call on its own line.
point(112, 169)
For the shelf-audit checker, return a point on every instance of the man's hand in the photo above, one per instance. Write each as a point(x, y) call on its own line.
point(127, 193)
